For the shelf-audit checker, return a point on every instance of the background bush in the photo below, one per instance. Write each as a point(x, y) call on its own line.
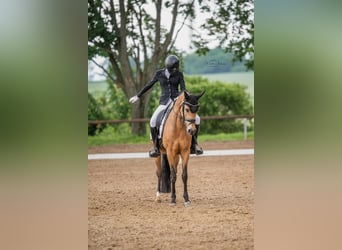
point(219, 99)
point(94, 113)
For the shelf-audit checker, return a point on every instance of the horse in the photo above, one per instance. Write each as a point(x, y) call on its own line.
point(175, 144)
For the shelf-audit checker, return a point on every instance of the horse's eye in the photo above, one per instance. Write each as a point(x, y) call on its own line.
point(187, 110)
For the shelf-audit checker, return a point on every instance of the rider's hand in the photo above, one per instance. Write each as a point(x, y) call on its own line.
point(134, 99)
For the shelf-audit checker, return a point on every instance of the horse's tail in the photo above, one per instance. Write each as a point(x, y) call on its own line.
point(165, 185)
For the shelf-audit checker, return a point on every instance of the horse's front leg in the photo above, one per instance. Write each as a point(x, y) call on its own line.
point(185, 183)
point(173, 161)
point(159, 174)
point(185, 180)
point(173, 184)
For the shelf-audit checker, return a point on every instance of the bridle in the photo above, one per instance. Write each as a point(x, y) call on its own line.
point(193, 108)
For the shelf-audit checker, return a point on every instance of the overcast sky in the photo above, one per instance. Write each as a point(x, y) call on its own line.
point(184, 37)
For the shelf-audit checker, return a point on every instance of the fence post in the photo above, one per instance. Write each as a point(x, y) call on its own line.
point(245, 128)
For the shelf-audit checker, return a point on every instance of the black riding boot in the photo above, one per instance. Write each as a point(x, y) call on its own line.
point(155, 151)
point(195, 149)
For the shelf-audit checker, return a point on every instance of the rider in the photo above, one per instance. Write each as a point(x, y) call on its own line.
point(170, 79)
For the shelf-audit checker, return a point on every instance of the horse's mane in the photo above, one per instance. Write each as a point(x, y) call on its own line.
point(180, 97)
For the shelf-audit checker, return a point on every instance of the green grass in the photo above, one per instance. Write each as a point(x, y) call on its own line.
point(99, 140)
point(119, 135)
point(226, 137)
point(110, 137)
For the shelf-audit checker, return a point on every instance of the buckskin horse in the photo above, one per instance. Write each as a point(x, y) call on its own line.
point(175, 144)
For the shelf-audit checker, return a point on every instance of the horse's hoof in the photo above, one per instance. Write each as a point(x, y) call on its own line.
point(187, 204)
point(158, 199)
point(173, 204)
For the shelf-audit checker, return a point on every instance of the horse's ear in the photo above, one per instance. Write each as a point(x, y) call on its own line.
point(200, 95)
point(186, 94)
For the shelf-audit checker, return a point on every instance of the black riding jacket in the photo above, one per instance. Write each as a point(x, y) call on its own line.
point(169, 87)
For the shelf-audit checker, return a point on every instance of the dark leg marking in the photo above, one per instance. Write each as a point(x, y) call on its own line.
point(173, 185)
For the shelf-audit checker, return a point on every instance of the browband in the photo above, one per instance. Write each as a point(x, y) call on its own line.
point(193, 108)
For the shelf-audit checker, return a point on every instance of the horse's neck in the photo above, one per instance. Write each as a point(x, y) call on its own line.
point(176, 116)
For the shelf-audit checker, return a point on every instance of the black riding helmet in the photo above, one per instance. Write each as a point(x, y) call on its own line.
point(172, 63)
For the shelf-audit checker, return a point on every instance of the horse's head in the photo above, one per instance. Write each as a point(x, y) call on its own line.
point(190, 106)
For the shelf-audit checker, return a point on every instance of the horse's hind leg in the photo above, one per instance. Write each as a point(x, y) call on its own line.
point(159, 174)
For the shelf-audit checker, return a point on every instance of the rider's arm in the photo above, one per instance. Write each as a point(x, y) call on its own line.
point(181, 81)
point(148, 85)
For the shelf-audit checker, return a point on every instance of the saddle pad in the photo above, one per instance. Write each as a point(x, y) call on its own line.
point(162, 118)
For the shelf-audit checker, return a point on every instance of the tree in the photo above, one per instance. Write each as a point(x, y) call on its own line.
point(134, 42)
point(231, 23)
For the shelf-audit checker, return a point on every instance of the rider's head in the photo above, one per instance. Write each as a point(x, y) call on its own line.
point(172, 63)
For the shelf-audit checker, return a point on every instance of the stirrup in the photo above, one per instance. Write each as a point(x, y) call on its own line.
point(154, 153)
point(196, 150)
point(199, 151)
